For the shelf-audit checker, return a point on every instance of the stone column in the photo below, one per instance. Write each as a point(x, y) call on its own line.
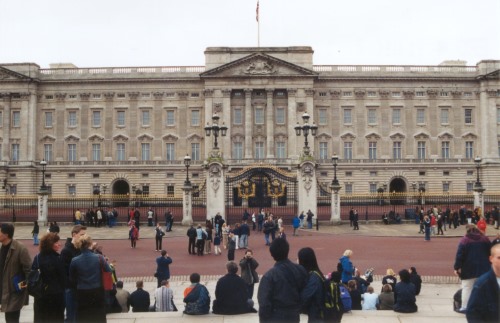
point(187, 209)
point(307, 188)
point(479, 199)
point(43, 208)
point(225, 119)
point(215, 190)
point(209, 101)
point(6, 125)
point(248, 124)
point(269, 124)
point(335, 208)
point(292, 121)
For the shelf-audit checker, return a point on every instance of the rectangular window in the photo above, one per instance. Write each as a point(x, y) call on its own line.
point(371, 94)
point(322, 116)
point(170, 118)
point(96, 152)
point(445, 149)
point(347, 93)
point(170, 190)
point(48, 119)
point(259, 116)
point(47, 152)
point(145, 118)
point(323, 151)
point(72, 190)
point(280, 115)
point(347, 116)
point(419, 94)
point(469, 149)
point(72, 119)
point(348, 188)
point(373, 188)
point(259, 150)
point(120, 118)
point(195, 151)
point(445, 116)
point(372, 150)
point(396, 116)
point(120, 151)
point(421, 150)
point(280, 150)
point(348, 150)
point(468, 116)
point(373, 173)
point(145, 151)
point(372, 116)
point(237, 116)
point(16, 118)
point(446, 186)
point(470, 186)
point(72, 152)
point(237, 150)
point(170, 147)
point(195, 118)
point(396, 150)
point(396, 94)
point(420, 116)
point(96, 118)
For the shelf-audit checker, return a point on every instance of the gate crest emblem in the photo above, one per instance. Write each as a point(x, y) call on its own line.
point(275, 189)
point(246, 189)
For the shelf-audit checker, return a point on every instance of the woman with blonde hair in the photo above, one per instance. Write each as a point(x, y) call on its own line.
point(345, 266)
point(390, 278)
point(85, 274)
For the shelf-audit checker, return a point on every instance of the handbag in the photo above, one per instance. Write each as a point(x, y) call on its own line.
point(35, 285)
point(106, 277)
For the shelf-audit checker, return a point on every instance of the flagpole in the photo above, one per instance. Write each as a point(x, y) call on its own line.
point(258, 24)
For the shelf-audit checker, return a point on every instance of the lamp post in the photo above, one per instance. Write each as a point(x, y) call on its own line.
point(304, 129)
point(43, 163)
point(187, 163)
point(478, 187)
point(215, 129)
point(335, 186)
point(13, 209)
point(74, 200)
point(478, 184)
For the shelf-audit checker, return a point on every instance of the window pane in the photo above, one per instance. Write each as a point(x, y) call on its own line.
point(445, 149)
point(120, 118)
point(280, 115)
point(1, 119)
point(420, 116)
point(348, 150)
point(72, 119)
point(120, 151)
point(145, 151)
point(195, 151)
point(372, 116)
point(170, 118)
point(444, 116)
point(372, 150)
point(396, 116)
point(421, 150)
point(280, 150)
point(259, 150)
point(15, 152)
point(195, 118)
point(96, 152)
point(347, 116)
point(396, 150)
point(47, 152)
point(322, 117)
point(237, 116)
point(468, 116)
point(323, 150)
point(48, 119)
point(145, 118)
point(237, 150)
point(16, 119)
point(469, 149)
point(259, 116)
point(170, 151)
point(71, 152)
point(96, 118)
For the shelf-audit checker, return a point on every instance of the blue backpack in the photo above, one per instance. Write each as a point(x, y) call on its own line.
point(346, 298)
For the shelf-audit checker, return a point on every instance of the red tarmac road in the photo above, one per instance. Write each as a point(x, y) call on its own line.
point(434, 258)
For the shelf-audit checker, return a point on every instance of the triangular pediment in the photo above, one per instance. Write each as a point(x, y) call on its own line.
point(71, 138)
point(9, 75)
point(145, 137)
point(397, 136)
point(259, 65)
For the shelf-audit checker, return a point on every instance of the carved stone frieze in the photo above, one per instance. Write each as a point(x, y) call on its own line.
point(158, 95)
point(456, 94)
point(248, 93)
point(291, 92)
point(24, 95)
point(208, 93)
point(133, 95)
point(183, 94)
point(384, 94)
point(109, 95)
point(408, 94)
point(84, 96)
point(359, 94)
point(307, 176)
point(259, 66)
point(492, 93)
point(269, 93)
point(226, 93)
point(335, 94)
point(60, 96)
point(301, 106)
point(217, 107)
point(432, 94)
point(5, 96)
point(214, 175)
point(309, 92)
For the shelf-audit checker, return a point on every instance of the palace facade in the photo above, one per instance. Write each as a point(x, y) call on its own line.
point(123, 129)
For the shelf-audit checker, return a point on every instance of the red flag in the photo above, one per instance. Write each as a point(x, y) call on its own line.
point(257, 12)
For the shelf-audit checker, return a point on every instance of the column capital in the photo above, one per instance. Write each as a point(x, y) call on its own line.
point(226, 93)
point(309, 92)
point(408, 94)
point(84, 96)
point(208, 93)
point(133, 95)
point(291, 92)
point(158, 95)
point(109, 95)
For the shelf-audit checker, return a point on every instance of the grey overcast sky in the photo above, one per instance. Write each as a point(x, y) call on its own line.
point(95, 33)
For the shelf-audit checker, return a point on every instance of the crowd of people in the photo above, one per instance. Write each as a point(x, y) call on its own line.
point(75, 290)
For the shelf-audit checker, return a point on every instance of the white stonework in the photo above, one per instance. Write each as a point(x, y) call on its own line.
point(215, 191)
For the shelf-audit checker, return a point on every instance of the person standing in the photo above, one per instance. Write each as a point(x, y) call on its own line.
point(427, 228)
point(150, 217)
point(168, 220)
point(208, 240)
point(231, 247)
point(249, 274)
point(15, 264)
point(471, 260)
point(231, 296)
point(133, 234)
point(137, 219)
point(404, 294)
point(484, 300)
point(295, 224)
point(217, 250)
point(356, 220)
point(35, 232)
point(351, 217)
point(158, 236)
point(416, 280)
point(78, 217)
point(244, 233)
point(309, 219)
point(281, 286)
point(260, 220)
point(201, 236)
point(163, 267)
point(85, 272)
point(67, 254)
point(347, 266)
point(50, 306)
point(191, 233)
point(139, 299)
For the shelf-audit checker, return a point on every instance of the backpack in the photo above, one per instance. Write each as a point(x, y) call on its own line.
point(340, 268)
point(346, 298)
point(332, 309)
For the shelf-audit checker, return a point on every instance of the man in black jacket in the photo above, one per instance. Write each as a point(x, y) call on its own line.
point(139, 299)
point(280, 287)
point(67, 254)
point(231, 295)
point(191, 233)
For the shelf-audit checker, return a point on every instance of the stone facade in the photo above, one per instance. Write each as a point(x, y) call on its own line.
point(130, 127)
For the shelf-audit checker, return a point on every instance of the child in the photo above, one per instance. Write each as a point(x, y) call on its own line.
point(231, 246)
point(217, 245)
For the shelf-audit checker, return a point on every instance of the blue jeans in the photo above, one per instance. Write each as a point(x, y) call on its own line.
point(35, 239)
point(70, 299)
point(243, 241)
point(309, 224)
point(266, 236)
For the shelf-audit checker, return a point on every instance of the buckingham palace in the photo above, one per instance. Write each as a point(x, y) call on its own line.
point(124, 129)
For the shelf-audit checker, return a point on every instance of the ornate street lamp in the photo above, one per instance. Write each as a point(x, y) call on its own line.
point(478, 186)
point(13, 209)
point(187, 163)
point(335, 181)
point(304, 129)
point(43, 163)
point(215, 129)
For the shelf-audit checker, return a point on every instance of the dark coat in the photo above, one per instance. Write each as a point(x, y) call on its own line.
point(248, 273)
point(162, 268)
point(279, 292)
point(404, 298)
point(484, 300)
point(17, 263)
point(417, 281)
point(67, 254)
point(312, 297)
point(231, 295)
point(139, 300)
point(472, 258)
